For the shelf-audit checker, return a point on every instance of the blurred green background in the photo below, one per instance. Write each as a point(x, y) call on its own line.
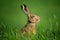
point(12, 18)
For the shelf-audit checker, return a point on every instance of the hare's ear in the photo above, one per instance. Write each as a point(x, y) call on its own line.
point(25, 9)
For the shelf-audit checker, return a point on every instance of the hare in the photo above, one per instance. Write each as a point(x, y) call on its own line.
point(31, 21)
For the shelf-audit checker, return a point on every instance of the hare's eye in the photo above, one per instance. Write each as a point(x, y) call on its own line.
point(32, 16)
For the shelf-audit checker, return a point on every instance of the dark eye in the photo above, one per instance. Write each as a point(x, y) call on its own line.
point(32, 16)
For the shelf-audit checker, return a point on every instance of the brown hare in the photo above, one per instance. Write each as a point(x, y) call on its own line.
point(31, 21)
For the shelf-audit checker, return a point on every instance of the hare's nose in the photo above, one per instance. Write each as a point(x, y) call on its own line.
point(38, 17)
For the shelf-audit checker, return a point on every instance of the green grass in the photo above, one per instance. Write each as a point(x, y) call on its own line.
point(8, 33)
point(12, 19)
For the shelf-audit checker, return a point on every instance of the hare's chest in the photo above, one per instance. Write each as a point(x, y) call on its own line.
point(30, 28)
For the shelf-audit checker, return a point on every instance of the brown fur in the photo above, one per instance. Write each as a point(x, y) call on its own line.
point(32, 20)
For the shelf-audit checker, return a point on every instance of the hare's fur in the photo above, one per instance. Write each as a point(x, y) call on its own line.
point(32, 20)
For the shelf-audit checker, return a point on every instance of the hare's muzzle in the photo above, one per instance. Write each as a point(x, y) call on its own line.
point(37, 18)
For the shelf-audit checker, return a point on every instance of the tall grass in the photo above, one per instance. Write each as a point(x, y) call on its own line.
point(52, 33)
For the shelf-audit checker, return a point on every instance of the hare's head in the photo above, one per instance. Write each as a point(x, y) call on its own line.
point(34, 18)
point(31, 18)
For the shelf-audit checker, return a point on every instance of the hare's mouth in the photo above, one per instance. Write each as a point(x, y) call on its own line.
point(38, 20)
